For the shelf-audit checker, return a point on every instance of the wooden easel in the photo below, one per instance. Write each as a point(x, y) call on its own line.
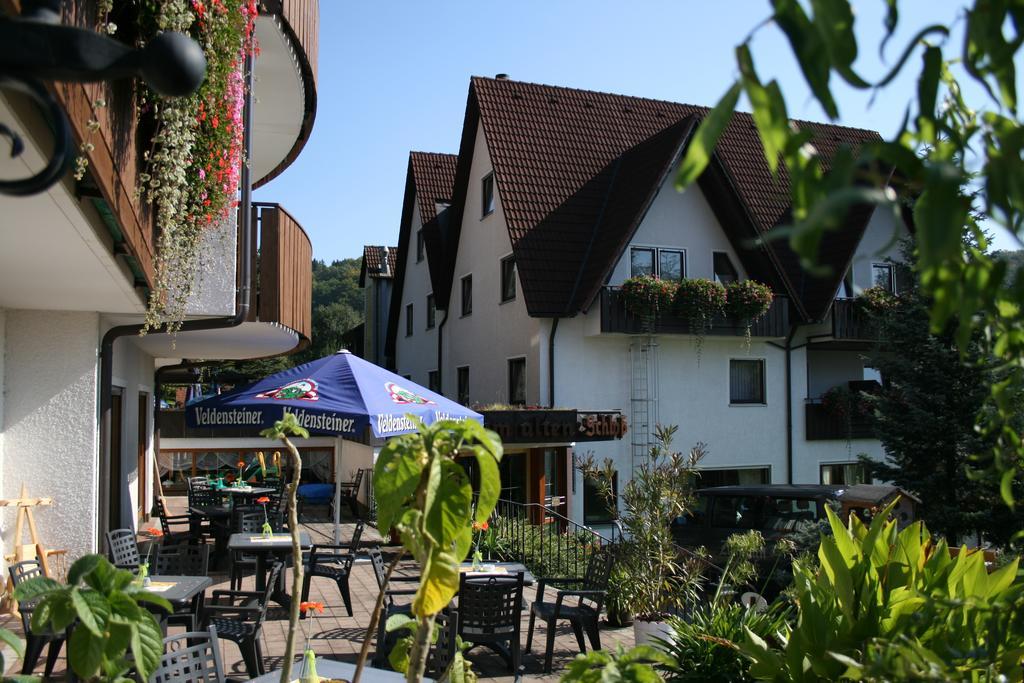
point(35, 550)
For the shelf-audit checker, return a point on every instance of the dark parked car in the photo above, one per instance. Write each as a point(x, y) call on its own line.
point(776, 509)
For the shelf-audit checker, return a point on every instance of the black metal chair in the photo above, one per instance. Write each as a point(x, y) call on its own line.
point(247, 521)
point(190, 658)
point(34, 642)
point(349, 494)
point(123, 549)
point(583, 616)
point(385, 641)
point(490, 613)
point(176, 528)
point(333, 562)
point(184, 559)
point(443, 651)
point(238, 616)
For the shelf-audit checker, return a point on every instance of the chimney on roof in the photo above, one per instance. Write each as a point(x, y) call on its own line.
point(385, 264)
point(501, 77)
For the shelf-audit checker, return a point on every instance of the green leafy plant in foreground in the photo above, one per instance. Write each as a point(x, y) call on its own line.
point(112, 632)
point(426, 495)
point(892, 605)
point(602, 666)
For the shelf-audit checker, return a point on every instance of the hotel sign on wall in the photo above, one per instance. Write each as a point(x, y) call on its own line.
point(555, 426)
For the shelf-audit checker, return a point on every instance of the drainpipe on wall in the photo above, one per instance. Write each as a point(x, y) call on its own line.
point(244, 297)
point(789, 405)
point(551, 369)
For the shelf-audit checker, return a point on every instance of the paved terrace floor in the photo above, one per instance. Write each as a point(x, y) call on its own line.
point(335, 635)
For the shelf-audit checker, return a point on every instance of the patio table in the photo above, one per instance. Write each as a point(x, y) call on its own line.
point(498, 569)
point(180, 591)
point(328, 668)
point(247, 493)
point(278, 545)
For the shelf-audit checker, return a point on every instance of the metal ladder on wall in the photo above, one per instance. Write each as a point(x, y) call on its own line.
point(643, 357)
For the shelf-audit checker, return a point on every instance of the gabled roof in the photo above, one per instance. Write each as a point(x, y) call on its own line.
point(429, 179)
point(576, 171)
point(373, 263)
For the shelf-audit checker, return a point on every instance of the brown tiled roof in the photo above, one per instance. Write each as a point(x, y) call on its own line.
point(434, 176)
point(373, 259)
point(429, 179)
point(576, 171)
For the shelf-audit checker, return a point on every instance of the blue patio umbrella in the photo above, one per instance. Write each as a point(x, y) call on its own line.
point(340, 394)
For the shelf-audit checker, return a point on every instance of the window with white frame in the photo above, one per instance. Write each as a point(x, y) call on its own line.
point(725, 272)
point(487, 195)
point(517, 381)
point(667, 264)
point(746, 381)
point(467, 295)
point(508, 279)
point(462, 380)
point(882, 276)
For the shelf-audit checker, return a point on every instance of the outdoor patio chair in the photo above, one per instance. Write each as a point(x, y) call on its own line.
point(349, 494)
point(190, 658)
point(490, 614)
point(443, 651)
point(176, 528)
point(123, 549)
point(184, 559)
point(394, 590)
point(34, 642)
point(333, 562)
point(246, 522)
point(583, 615)
point(199, 483)
point(238, 616)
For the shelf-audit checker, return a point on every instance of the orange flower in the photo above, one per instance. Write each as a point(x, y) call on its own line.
point(154, 532)
point(477, 526)
point(262, 500)
point(317, 607)
point(241, 463)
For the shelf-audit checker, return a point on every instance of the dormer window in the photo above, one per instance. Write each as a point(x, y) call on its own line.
point(667, 264)
point(487, 195)
point(419, 246)
point(725, 272)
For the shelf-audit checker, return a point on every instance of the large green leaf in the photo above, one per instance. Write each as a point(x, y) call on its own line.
point(82, 566)
point(490, 483)
point(396, 475)
point(438, 585)
point(36, 588)
point(92, 609)
point(12, 641)
point(768, 108)
point(147, 645)
point(85, 651)
point(432, 506)
point(449, 514)
point(703, 141)
point(810, 51)
point(834, 21)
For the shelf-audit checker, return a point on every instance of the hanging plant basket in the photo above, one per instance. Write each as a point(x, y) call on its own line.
point(748, 301)
point(699, 301)
point(647, 297)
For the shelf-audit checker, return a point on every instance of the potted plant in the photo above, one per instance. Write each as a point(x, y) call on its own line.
point(653, 577)
point(646, 296)
point(618, 604)
point(699, 301)
point(748, 301)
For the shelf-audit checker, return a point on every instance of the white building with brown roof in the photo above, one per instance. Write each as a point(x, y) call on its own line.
point(560, 195)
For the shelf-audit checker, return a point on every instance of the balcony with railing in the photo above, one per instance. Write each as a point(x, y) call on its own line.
point(850, 322)
point(824, 423)
point(616, 319)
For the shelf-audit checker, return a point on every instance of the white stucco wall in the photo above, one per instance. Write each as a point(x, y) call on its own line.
point(50, 423)
point(495, 332)
point(681, 220)
point(880, 241)
point(416, 354)
point(827, 368)
point(213, 290)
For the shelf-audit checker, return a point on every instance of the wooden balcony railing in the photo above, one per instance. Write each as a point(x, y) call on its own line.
point(616, 319)
point(825, 425)
point(284, 292)
point(850, 322)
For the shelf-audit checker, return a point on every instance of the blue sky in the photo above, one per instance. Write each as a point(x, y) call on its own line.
point(394, 77)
